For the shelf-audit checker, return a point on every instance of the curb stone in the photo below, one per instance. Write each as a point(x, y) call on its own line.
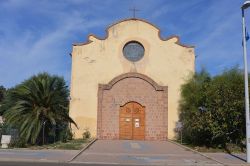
point(82, 150)
point(130, 164)
point(31, 160)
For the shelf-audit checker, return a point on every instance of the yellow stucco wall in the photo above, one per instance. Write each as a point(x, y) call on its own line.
point(98, 61)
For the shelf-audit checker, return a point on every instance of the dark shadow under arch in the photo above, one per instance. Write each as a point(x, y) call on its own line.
point(132, 102)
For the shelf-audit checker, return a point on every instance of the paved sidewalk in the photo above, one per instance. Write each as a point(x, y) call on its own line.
point(229, 159)
point(141, 153)
point(125, 152)
point(37, 155)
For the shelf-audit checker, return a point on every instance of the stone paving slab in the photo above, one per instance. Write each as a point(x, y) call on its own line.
point(145, 147)
point(146, 160)
point(142, 153)
point(36, 155)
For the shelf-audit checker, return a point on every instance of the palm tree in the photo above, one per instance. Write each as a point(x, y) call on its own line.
point(38, 100)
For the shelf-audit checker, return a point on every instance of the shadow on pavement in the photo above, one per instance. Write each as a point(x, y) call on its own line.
point(238, 157)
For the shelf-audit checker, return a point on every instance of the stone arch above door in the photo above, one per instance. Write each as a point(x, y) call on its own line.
point(138, 88)
point(132, 75)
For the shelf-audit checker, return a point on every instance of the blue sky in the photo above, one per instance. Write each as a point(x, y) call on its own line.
point(37, 36)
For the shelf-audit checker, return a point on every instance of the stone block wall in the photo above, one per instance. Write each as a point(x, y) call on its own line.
point(138, 88)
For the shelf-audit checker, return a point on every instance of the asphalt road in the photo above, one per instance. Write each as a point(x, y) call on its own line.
point(9, 163)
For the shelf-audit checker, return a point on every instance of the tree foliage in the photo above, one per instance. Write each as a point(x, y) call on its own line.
point(40, 100)
point(212, 108)
point(2, 93)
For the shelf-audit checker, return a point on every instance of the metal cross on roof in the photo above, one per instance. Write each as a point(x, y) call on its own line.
point(134, 10)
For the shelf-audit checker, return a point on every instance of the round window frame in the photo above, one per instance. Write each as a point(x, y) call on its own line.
point(131, 59)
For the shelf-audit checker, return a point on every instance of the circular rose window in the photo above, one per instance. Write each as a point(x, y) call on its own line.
point(133, 51)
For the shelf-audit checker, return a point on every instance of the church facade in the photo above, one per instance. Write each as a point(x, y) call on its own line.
point(127, 85)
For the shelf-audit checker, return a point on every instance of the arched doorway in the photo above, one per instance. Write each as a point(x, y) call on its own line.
point(132, 121)
point(137, 91)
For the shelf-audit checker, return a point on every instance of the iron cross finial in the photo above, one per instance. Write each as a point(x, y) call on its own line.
point(134, 10)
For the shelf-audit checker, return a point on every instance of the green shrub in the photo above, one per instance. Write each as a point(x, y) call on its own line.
point(18, 143)
point(212, 109)
point(86, 134)
point(65, 135)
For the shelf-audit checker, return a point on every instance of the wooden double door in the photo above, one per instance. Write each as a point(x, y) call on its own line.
point(132, 121)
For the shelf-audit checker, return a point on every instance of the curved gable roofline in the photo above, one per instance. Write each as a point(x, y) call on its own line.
point(133, 19)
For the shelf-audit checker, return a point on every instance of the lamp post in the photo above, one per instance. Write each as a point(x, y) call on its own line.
point(245, 6)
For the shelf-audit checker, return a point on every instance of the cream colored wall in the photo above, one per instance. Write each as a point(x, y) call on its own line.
point(166, 62)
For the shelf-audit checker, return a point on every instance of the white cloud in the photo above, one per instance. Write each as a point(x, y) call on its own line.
point(36, 35)
point(160, 11)
point(30, 51)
